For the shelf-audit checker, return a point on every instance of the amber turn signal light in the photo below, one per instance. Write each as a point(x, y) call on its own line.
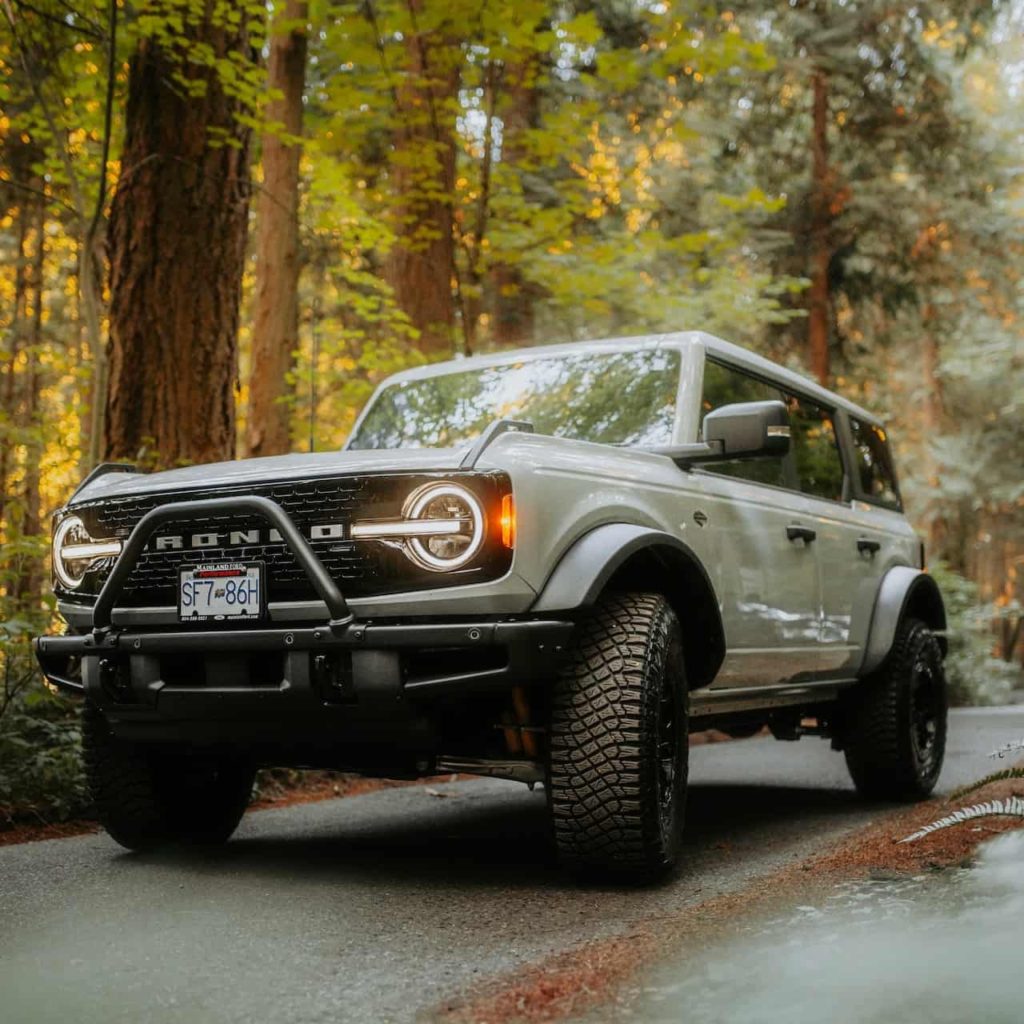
point(508, 521)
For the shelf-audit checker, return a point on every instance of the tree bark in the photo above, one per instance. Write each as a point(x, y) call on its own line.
point(91, 305)
point(276, 316)
point(938, 533)
point(820, 254)
point(514, 297)
point(420, 268)
point(10, 390)
point(28, 588)
point(177, 235)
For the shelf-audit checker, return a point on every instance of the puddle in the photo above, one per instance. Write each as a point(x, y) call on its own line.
point(941, 948)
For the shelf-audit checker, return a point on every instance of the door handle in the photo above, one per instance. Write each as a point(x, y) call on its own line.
point(869, 546)
point(796, 532)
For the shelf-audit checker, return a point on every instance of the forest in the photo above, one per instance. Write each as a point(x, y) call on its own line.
point(223, 223)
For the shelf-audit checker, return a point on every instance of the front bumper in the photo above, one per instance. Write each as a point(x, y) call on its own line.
point(305, 682)
point(278, 683)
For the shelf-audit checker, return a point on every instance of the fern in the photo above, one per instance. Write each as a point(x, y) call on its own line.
point(1013, 807)
point(1008, 748)
point(1002, 776)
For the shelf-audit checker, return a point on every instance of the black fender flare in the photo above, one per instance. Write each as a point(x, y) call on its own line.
point(903, 591)
point(642, 558)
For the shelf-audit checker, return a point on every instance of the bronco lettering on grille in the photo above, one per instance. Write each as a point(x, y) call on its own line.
point(238, 538)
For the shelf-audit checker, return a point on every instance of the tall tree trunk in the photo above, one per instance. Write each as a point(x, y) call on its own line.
point(937, 528)
point(421, 265)
point(177, 244)
point(29, 583)
point(90, 301)
point(10, 391)
point(276, 320)
point(514, 297)
point(818, 294)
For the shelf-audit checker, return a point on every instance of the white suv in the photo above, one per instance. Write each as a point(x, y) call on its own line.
point(547, 565)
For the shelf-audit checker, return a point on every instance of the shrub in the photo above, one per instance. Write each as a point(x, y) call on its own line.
point(974, 675)
point(40, 769)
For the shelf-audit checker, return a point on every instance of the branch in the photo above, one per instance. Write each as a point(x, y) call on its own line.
point(435, 128)
point(90, 33)
point(74, 12)
point(38, 192)
point(494, 76)
point(108, 114)
point(371, 17)
point(60, 137)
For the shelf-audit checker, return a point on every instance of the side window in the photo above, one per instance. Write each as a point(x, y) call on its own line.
point(819, 466)
point(724, 386)
point(874, 464)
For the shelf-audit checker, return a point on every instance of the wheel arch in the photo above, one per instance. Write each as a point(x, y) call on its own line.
point(623, 556)
point(903, 592)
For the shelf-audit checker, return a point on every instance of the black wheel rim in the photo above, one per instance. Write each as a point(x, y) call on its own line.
point(925, 714)
point(668, 755)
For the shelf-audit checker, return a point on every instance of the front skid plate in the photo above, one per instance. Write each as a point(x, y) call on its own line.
point(534, 647)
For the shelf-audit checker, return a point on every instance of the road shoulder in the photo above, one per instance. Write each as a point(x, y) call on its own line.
point(608, 971)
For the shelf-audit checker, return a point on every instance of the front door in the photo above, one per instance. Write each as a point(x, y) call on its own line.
point(767, 581)
point(763, 515)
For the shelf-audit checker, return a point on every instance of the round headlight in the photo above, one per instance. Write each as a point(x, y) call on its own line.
point(74, 551)
point(444, 504)
point(70, 533)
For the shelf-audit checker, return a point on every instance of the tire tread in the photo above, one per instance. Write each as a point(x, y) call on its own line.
point(143, 797)
point(604, 724)
point(877, 735)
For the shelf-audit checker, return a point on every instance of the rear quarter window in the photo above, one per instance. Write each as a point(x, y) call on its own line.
point(875, 470)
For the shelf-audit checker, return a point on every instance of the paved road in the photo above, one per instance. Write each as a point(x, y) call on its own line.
point(377, 908)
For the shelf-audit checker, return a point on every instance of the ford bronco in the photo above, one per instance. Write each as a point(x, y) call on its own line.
point(547, 565)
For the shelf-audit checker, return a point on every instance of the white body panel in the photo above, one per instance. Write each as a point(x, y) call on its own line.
point(792, 612)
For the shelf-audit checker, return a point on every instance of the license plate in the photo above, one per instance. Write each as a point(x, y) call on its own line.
point(223, 591)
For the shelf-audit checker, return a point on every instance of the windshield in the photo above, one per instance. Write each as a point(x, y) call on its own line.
point(623, 398)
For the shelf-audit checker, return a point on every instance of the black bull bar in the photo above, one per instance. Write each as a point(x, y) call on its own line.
point(187, 511)
point(533, 646)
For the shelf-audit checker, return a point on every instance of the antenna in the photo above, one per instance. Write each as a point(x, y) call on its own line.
point(315, 333)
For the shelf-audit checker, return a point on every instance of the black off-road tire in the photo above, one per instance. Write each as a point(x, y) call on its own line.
point(147, 796)
point(895, 721)
point(618, 742)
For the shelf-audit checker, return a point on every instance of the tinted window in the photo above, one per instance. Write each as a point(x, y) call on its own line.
point(874, 464)
point(724, 385)
point(819, 466)
point(626, 398)
point(813, 466)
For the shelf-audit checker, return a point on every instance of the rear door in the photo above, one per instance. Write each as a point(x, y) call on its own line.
point(857, 544)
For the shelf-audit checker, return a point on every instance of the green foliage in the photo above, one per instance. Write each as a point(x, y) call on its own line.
point(182, 29)
point(572, 129)
point(973, 674)
point(40, 769)
point(1003, 775)
point(620, 166)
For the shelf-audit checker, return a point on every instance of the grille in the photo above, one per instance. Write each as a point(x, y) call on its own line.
point(361, 568)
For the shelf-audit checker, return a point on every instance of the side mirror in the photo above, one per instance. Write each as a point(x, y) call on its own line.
point(747, 429)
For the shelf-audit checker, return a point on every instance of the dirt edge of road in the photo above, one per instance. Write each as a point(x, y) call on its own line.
point(314, 786)
point(573, 982)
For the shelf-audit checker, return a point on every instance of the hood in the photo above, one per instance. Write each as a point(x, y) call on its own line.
point(272, 468)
